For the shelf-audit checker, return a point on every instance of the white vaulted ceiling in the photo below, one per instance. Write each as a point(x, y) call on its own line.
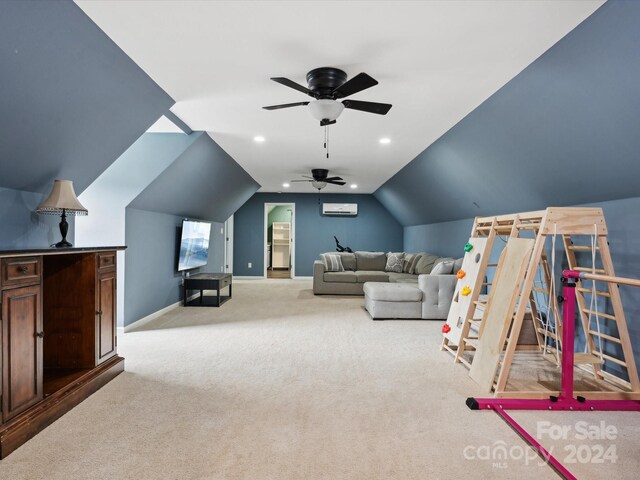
point(435, 61)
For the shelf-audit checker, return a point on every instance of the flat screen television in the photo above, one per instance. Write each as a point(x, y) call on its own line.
point(194, 245)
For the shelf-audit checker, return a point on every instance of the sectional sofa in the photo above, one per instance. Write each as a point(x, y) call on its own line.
point(429, 291)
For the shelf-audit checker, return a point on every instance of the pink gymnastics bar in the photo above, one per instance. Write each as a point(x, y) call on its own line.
point(566, 400)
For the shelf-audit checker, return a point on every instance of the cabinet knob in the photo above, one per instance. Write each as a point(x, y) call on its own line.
point(40, 334)
point(99, 312)
point(23, 269)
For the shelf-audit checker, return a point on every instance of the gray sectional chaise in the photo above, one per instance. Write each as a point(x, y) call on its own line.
point(412, 293)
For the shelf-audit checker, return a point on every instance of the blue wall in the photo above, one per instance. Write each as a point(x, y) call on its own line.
point(22, 227)
point(372, 229)
point(446, 238)
point(71, 100)
point(152, 281)
point(562, 132)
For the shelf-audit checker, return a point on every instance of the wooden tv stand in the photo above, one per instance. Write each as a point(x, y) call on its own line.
point(58, 339)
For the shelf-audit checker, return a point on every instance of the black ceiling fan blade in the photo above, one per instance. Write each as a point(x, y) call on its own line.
point(371, 107)
point(325, 122)
point(360, 82)
point(333, 178)
point(285, 105)
point(291, 84)
point(335, 182)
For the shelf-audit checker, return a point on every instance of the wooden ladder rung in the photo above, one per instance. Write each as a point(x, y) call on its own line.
point(589, 270)
point(475, 323)
point(473, 342)
point(487, 283)
point(613, 379)
point(479, 303)
point(465, 361)
point(540, 290)
point(598, 292)
point(600, 314)
point(614, 360)
point(606, 337)
point(581, 248)
point(549, 334)
point(522, 226)
point(582, 358)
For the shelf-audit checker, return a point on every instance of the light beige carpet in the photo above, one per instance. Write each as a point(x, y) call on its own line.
point(279, 384)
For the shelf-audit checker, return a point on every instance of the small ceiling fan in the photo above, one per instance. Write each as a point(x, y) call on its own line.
point(320, 178)
point(327, 85)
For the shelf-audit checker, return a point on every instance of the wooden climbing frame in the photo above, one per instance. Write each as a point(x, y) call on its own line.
point(486, 336)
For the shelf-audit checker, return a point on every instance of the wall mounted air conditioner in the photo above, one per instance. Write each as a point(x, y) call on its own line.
point(340, 209)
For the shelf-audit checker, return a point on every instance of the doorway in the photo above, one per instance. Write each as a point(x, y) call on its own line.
point(279, 245)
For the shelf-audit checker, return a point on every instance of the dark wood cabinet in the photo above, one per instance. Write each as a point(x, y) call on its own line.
point(58, 339)
point(22, 349)
point(106, 316)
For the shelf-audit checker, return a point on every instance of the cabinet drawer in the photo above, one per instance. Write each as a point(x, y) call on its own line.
point(21, 271)
point(106, 261)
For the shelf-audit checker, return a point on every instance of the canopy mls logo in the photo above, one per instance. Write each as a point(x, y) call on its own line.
point(582, 442)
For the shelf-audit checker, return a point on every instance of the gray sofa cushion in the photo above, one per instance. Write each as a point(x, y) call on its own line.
point(457, 265)
point(395, 262)
point(371, 276)
point(402, 277)
point(410, 262)
point(371, 261)
point(425, 264)
point(340, 277)
point(348, 259)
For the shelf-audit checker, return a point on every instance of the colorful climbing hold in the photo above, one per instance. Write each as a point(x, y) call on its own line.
point(468, 247)
point(461, 274)
point(446, 328)
point(465, 291)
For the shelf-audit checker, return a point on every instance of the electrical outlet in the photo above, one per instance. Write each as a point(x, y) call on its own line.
point(249, 265)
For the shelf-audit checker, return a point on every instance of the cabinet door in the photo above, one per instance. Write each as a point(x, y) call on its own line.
point(21, 349)
point(106, 316)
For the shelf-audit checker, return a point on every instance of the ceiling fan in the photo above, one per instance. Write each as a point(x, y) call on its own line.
point(319, 178)
point(327, 85)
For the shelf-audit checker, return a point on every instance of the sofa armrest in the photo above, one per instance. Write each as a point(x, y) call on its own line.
point(318, 276)
point(437, 294)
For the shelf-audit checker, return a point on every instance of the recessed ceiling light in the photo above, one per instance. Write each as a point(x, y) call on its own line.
point(259, 138)
point(285, 185)
point(385, 140)
point(354, 185)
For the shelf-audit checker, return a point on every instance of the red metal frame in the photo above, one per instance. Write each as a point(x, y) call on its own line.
point(566, 400)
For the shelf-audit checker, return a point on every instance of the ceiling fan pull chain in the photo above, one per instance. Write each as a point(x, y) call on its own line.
point(326, 129)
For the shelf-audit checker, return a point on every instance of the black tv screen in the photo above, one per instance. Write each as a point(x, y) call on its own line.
point(194, 245)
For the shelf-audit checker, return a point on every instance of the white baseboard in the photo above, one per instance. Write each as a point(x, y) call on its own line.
point(149, 318)
point(249, 277)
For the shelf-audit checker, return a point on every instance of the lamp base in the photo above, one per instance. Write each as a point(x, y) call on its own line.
point(63, 244)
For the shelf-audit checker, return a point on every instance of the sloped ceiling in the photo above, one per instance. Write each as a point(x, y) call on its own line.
point(71, 101)
point(204, 182)
point(565, 131)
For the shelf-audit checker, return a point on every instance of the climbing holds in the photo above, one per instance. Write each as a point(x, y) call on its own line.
point(465, 291)
point(461, 274)
point(468, 247)
point(446, 328)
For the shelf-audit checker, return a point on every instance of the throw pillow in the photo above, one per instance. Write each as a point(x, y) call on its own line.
point(443, 267)
point(425, 263)
point(410, 262)
point(395, 261)
point(332, 262)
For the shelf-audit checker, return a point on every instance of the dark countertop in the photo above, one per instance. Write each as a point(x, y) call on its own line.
point(15, 252)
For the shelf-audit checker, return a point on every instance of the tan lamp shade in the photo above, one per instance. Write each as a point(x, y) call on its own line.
point(62, 198)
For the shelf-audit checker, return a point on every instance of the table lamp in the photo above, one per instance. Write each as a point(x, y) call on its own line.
point(62, 200)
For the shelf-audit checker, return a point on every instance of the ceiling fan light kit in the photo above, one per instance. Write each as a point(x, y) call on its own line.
point(327, 85)
point(325, 109)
